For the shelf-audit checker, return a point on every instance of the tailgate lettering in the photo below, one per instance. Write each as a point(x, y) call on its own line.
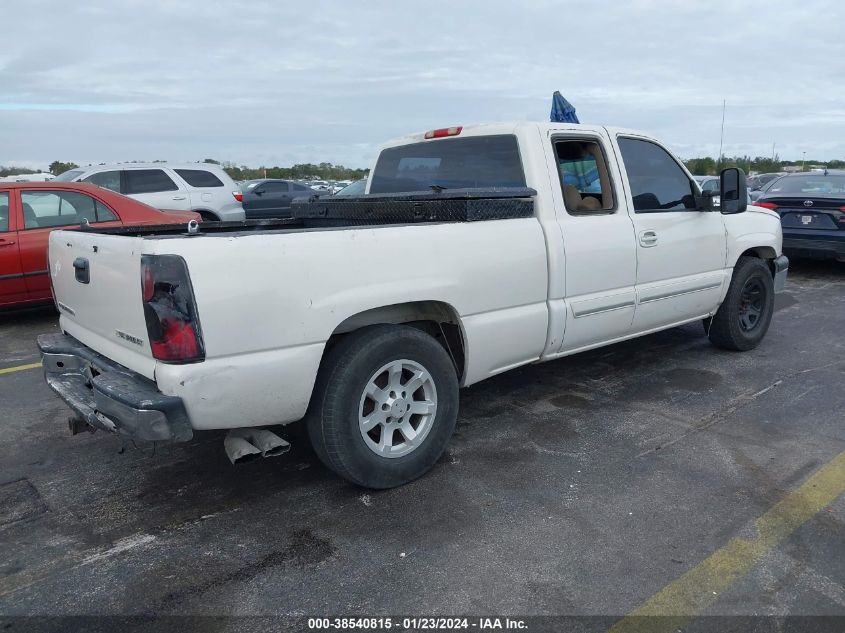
point(128, 337)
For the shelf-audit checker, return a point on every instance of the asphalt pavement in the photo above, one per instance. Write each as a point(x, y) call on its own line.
point(657, 475)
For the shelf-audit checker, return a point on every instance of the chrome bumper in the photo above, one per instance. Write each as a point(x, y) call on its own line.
point(108, 396)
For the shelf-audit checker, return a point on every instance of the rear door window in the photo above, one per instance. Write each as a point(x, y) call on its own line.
point(274, 188)
point(105, 179)
point(104, 214)
point(148, 181)
point(584, 176)
point(47, 209)
point(199, 178)
point(452, 163)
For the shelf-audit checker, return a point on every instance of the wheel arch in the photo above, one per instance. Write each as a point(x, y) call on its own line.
point(766, 253)
point(763, 252)
point(439, 319)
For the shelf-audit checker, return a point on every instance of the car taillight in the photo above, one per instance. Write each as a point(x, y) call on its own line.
point(765, 205)
point(169, 310)
point(238, 196)
point(444, 131)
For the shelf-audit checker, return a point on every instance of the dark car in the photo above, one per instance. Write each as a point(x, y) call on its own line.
point(271, 198)
point(757, 182)
point(812, 211)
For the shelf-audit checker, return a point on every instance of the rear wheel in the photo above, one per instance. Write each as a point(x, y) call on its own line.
point(744, 316)
point(208, 216)
point(384, 406)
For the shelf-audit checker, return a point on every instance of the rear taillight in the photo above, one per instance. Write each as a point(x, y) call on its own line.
point(238, 196)
point(169, 309)
point(765, 205)
point(444, 131)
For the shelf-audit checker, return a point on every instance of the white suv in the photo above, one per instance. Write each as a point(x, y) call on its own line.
point(200, 187)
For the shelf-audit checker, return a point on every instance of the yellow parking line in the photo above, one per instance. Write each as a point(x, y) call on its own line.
point(9, 370)
point(684, 599)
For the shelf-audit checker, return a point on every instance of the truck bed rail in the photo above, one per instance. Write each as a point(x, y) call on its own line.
point(314, 212)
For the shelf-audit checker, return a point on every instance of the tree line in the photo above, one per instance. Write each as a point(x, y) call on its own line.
point(307, 171)
point(708, 165)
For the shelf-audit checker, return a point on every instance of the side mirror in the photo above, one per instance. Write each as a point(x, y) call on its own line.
point(733, 191)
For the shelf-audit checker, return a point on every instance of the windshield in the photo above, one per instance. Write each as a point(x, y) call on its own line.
point(815, 184)
point(68, 176)
point(455, 163)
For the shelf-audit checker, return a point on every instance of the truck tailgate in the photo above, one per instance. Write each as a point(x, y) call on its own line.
point(97, 284)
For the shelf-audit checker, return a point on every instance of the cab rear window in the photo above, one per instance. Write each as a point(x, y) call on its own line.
point(452, 163)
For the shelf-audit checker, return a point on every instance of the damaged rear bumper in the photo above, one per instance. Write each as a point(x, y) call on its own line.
point(108, 396)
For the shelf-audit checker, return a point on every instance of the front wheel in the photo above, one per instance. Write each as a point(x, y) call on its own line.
point(744, 316)
point(384, 406)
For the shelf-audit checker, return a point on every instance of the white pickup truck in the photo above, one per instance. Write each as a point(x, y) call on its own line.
point(524, 242)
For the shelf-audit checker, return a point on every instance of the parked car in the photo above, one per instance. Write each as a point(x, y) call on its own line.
point(200, 187)
point(30, 210)
point(357, 188)
point(755, 183)
point(812, 211)
point(708, 183)
point(372, 325)
point(271, 198)
point(39, 177)
point(711, 184)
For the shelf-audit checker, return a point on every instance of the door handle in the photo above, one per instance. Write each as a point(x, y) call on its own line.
point(6, 242)
point(648, 238)
point(178, 197)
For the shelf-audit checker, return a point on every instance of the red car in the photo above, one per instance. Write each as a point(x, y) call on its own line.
point(30, 210)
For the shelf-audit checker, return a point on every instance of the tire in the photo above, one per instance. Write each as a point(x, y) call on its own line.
point(208, 216)
point(744, 316)
point(364, 424)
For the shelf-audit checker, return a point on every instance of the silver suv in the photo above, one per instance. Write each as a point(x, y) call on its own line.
point(200, 187)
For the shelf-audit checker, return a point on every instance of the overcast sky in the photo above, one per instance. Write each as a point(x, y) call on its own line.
point(277, 83)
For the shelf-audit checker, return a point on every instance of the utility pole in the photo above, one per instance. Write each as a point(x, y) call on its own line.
point(773, 152)
point(722, 135)
point(803, 156)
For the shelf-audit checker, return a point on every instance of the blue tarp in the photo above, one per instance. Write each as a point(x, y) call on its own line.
point(562, 110)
